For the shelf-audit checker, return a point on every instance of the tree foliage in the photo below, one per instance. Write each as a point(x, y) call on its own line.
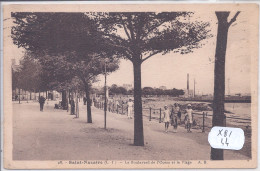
point(149, 33)
point(66, 44)
point(68, 47)
point(29, 76)
point(156, 91)
point(54, 32)
point(116, 90)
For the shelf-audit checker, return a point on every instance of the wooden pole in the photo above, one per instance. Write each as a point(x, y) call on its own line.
point(150, 114)
point(203, 126)
point(105, 107)
point(160, 115)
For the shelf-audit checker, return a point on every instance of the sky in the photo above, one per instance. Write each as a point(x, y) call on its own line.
point(171, 70)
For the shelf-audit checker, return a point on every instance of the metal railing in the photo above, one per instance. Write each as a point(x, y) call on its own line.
point(201, 121)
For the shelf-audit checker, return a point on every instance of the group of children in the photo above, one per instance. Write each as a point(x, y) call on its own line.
point(172, 117)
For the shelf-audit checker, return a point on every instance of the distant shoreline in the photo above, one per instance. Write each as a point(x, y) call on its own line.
point(226, 101)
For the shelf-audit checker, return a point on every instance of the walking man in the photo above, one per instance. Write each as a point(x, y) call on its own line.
point(41, 101)
point(84, 100)
point(72, 104)
point(130, 106)
point(117, 106)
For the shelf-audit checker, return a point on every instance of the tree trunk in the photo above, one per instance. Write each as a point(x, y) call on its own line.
point(138, 115)
point(69, 96)
point(19, 95)
point(64, 100)
point(89, 116)
point(26, 92)
point(219, 81)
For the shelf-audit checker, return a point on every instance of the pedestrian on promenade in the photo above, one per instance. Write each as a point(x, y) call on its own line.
point(16, 97)
point(174, 117)
point(41, 101)
point(130, 106)
point(178, 111)
point(84, 100)
point(166, 117)
point(113, 106)
point(189, 113)
point(117, 106)
point(72, 105)
point(109, 105)
point(186, 121)
point(175, 123)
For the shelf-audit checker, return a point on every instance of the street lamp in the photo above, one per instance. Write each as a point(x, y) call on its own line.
point(105, 89)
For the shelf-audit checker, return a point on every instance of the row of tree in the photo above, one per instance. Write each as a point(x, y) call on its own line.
point(156, 91)
point(119, 90)
point(28, 76)
point(73, 48)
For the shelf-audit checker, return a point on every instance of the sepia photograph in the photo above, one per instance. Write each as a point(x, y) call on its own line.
point(130, 86)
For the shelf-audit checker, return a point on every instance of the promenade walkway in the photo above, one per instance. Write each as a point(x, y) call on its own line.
point(56, 135)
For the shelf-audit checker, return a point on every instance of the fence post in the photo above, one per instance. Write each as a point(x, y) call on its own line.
point(160, 116)
point(117, 109)
point(203, 122)
point(225, 120)
point(150, 114)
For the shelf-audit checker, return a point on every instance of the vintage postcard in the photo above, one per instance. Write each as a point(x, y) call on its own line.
point(130, 86)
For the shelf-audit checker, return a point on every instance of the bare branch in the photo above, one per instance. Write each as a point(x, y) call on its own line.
point(91, 77)
point(125, 28)
point(149, 56)
point(233, 19)
point(112, 36)
point(131, 29)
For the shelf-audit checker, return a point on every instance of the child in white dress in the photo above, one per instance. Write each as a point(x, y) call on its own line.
point(189, 117)
point(166, 117)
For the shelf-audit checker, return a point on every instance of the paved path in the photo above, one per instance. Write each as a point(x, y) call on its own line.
point(56, 135)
